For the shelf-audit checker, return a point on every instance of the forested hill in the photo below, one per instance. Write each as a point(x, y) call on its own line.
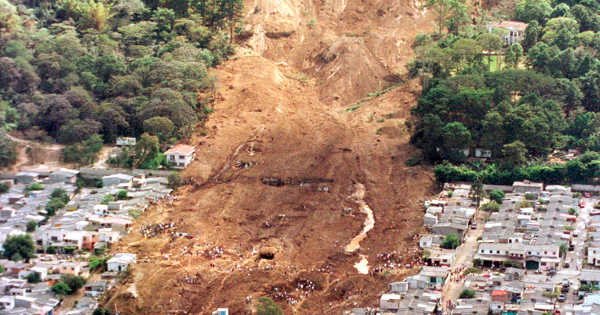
point(71, 69)
point(521, 100)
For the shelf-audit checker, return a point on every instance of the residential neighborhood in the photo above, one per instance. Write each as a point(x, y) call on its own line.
point(536, 251)
point(71, 241)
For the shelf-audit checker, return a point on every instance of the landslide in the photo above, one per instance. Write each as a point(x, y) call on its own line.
point(268, 207)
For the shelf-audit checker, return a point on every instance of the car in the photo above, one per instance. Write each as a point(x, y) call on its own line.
point(474, 226)
point(562, 298)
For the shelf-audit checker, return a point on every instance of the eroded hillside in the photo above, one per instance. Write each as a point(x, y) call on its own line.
point(294, 153)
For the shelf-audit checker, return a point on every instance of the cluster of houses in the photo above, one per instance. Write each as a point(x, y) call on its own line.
point(537, 253)
point(92, 221)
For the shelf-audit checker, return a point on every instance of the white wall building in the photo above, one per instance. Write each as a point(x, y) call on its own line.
point(180, 156)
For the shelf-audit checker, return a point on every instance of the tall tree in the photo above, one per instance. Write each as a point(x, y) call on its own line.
point(449, 13)
point(231, 11)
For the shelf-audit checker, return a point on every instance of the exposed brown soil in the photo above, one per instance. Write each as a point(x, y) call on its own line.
point(286, 108)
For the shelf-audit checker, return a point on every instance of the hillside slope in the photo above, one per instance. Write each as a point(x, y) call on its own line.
point(288, 108)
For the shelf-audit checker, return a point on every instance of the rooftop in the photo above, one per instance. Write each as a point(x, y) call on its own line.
point(181, 149)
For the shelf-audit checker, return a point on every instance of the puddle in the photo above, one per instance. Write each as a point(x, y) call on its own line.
point(363, 265)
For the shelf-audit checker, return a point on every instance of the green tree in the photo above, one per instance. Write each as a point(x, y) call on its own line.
point(490, 42)
point(232, 11)
point(512, 54)
point(266, 306)
point(18, 247)
point(497, 196)
point(533, 10)
point(467, 294)
point(122, 195)
point(54, 205)
point(445, 11)
point(451, 241)
point(61, 194)
point(73, 282)
point(31, 226)
point(61, 288)
point(515, 153)
point(146, 147)
point(34, 277)
point(533, 33)
point(162, 127)
point(8, 151)
point(456, 137)
point(477, 189)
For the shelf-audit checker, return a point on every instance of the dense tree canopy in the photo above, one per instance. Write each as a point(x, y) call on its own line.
point(76, 68)
point(540, 95)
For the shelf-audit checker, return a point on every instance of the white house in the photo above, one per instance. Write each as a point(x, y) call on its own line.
point(515, 31)
point(120, 262)
point(101, 210)
point(125, 141)
point(593, 256)
point(180, 156)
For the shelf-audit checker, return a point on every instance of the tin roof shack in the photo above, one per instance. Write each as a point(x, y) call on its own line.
point(26, 178)
point(120, 262)
point(450, 228)
point(96, 288)
point(528, 187)
point(63, 176)
point(429, 277)
point(116, 179)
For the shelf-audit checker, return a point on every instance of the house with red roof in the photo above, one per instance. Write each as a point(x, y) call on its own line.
point(180, 156)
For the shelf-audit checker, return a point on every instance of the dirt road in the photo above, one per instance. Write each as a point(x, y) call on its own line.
point(463, 259)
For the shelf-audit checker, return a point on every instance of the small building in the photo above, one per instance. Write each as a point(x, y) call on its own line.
point(101, 210)
point(483, 153)
point(515, 31)
point(63, 175)
point(593, 256)
point(115, 206)
point(180, 156)
point(116, 179)
point(96, 288)
point(26, 177)
point(125, 141)
point(120, 262)
point(590, 277)
point(390, 301)
point(527, 187)
point(398, 287)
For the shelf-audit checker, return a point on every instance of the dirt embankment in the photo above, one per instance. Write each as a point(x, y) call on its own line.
point(269, 208)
